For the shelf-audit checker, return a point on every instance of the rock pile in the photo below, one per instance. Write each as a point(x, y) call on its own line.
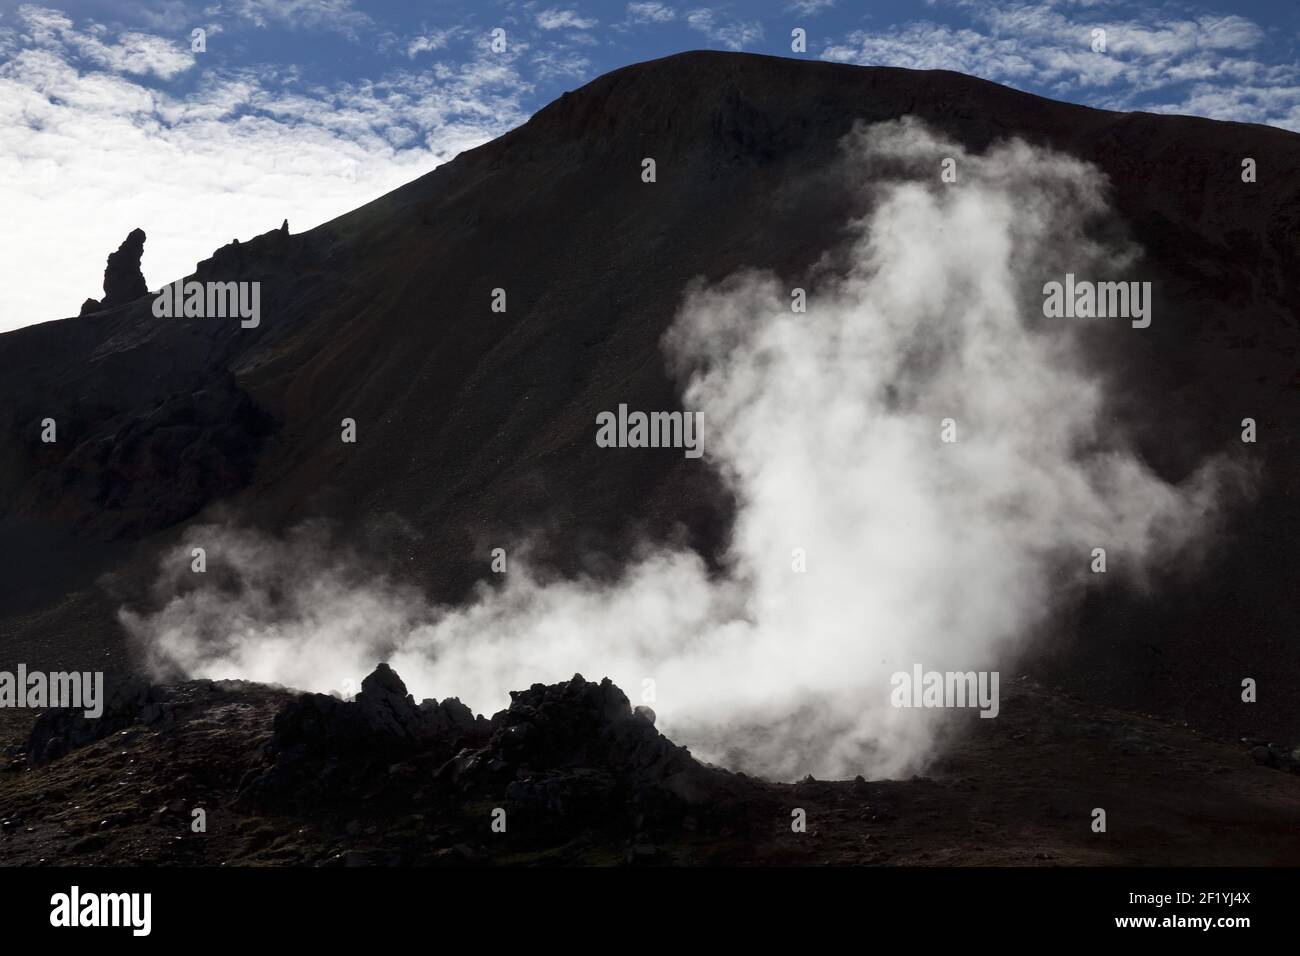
point(563, 755)
point(327, 749)
point(577, 750)
point(563, 760)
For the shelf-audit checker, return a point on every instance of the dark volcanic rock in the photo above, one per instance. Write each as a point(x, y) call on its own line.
point(129, 797)
point(326, 748)
point(1277, 756)
point(123, 280)
point(562, 743)
point(576, 753)
point(127, 475)
point(561, 756)
point(58, 731)
point(383, 712)
point(89, 306)
point(270, 250)
point(136, 704)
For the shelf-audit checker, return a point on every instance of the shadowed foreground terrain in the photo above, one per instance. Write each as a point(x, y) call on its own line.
point(584, 779)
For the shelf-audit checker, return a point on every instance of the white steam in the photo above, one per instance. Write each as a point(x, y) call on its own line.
point(827, 427)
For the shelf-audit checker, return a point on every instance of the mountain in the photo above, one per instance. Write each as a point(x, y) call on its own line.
point(476, 426)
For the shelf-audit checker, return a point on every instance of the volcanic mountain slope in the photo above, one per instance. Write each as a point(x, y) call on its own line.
point(477, 426)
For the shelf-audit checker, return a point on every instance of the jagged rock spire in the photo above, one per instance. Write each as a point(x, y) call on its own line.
point(123, 280)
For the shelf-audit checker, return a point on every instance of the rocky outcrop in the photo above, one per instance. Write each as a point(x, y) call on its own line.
point(164, 708)
point(268, 253)
point(563, 756)
point(383, 720)
point(58, 731)
point(324, 748)
point(123, 280)
point(132, 474)
point(574, 749)
point(571, 764)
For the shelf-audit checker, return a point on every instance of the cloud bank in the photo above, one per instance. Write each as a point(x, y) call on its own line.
point(1155, 58)
point(92, 146)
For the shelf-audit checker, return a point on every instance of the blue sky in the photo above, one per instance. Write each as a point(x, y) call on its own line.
point(304, 109)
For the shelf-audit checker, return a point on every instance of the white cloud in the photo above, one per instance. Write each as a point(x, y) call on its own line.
point(336, 15)
point(733, 34)
point(170, 15)
point(810, 8)
point(139, 53)
point(650, 13)
point(434, 40)
point(1041, 47)
point(555, 64)
point(42, 25)
point(8, 41)
point(1274, 106)
point(555, 19)
point(87, 154)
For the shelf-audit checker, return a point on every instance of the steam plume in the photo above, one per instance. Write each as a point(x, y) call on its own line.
point(827, 427)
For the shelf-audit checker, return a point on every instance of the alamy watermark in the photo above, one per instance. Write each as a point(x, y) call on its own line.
point(651, 430)
point(210, 300)
point(923, 688)
point(75, 908)
point(1083, 299)
point(37, 690)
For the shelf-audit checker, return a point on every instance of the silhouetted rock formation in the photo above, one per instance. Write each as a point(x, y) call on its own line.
point(264, 254)
point(583, 780)
point(327, 749)
point(573, 753)
point(89, 306)
point(572, 750)
point(123, 280)
point(562, 758)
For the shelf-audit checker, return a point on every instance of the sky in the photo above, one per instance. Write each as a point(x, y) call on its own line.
point(110, 118)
